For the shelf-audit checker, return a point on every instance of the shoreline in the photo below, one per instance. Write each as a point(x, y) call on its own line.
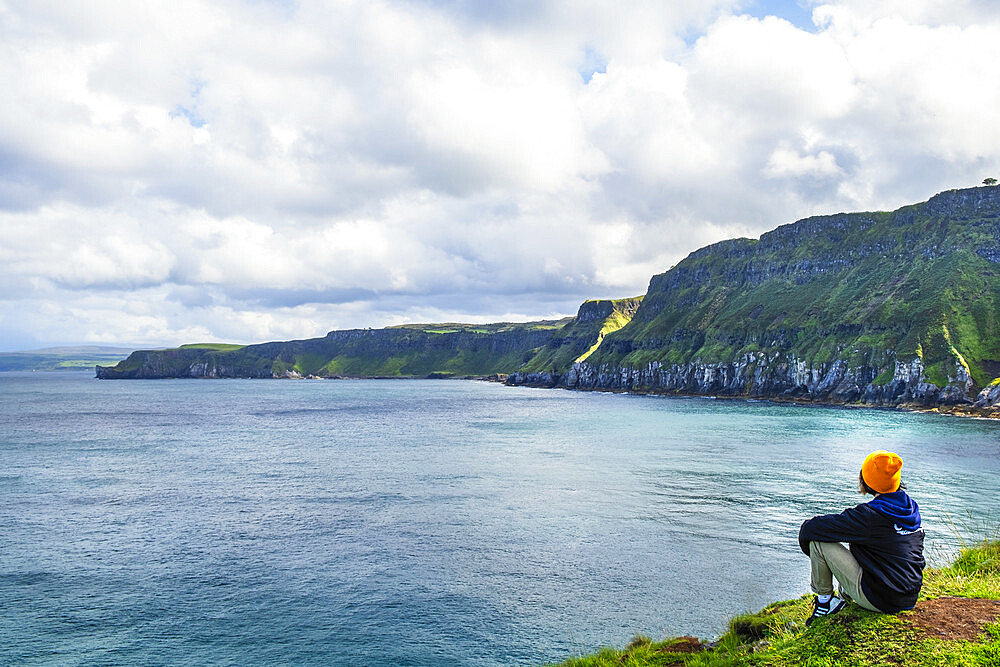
point(966, 411)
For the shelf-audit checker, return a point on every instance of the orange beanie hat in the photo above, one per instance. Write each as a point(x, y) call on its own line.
point(881, 471)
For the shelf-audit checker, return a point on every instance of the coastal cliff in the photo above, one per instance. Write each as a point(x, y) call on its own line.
point(885, 308)
point(439, 350)
point(880, 308)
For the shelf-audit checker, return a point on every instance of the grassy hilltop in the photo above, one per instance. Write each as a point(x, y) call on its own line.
point(954, 623)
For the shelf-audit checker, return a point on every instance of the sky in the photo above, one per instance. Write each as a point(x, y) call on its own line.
point(251, 170)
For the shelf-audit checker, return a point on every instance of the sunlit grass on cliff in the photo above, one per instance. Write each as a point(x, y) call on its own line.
point(218, 347)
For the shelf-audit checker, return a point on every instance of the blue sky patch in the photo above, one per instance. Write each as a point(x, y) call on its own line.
point(593, 63)
point(796, 12)
point(193, 117)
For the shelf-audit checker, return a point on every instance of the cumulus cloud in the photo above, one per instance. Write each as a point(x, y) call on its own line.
point(788, 162)
point(249, 170)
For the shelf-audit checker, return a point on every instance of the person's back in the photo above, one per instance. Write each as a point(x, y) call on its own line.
point(883, 568)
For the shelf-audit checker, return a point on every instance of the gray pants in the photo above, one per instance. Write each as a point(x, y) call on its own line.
point(832, 559)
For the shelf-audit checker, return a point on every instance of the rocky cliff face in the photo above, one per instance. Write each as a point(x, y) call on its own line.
point(762, 377)
point(878, 308)
point(599, 310)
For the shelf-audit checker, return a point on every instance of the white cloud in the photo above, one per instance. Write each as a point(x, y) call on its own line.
point(785, 161)
point(772, 71)
point(241, 170)
point(933, 13)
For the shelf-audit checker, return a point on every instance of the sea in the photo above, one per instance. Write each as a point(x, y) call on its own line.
point(424, 522)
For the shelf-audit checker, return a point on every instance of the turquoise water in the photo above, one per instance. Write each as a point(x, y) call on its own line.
point(422, 522)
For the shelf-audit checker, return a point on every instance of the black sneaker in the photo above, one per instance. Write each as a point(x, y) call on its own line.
point(820, 609)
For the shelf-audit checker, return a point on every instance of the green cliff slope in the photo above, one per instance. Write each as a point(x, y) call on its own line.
point(886, 307)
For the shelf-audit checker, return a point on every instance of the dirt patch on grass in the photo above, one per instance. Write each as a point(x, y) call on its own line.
point(954, 618)
point(674, 654)
point(684, 645)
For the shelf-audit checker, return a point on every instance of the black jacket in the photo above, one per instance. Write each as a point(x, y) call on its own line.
point(886, 538)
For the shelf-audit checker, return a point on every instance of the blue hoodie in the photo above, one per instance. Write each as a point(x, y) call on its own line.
point(886, 538)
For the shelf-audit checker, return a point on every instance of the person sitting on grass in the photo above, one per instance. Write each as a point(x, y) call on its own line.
point(883, 568)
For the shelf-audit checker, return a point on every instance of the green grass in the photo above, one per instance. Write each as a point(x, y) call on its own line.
point(80, 363)
point(309, 363)
point(496, 327)
point(974, 574)
point(218, 347)
point(776, 636)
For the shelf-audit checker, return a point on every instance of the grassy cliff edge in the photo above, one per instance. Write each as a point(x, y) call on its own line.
point(954, 623)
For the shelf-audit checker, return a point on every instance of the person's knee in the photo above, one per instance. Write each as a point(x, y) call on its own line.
point(828, 547)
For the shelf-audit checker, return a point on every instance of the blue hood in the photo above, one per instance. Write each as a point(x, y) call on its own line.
point(900, 508)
